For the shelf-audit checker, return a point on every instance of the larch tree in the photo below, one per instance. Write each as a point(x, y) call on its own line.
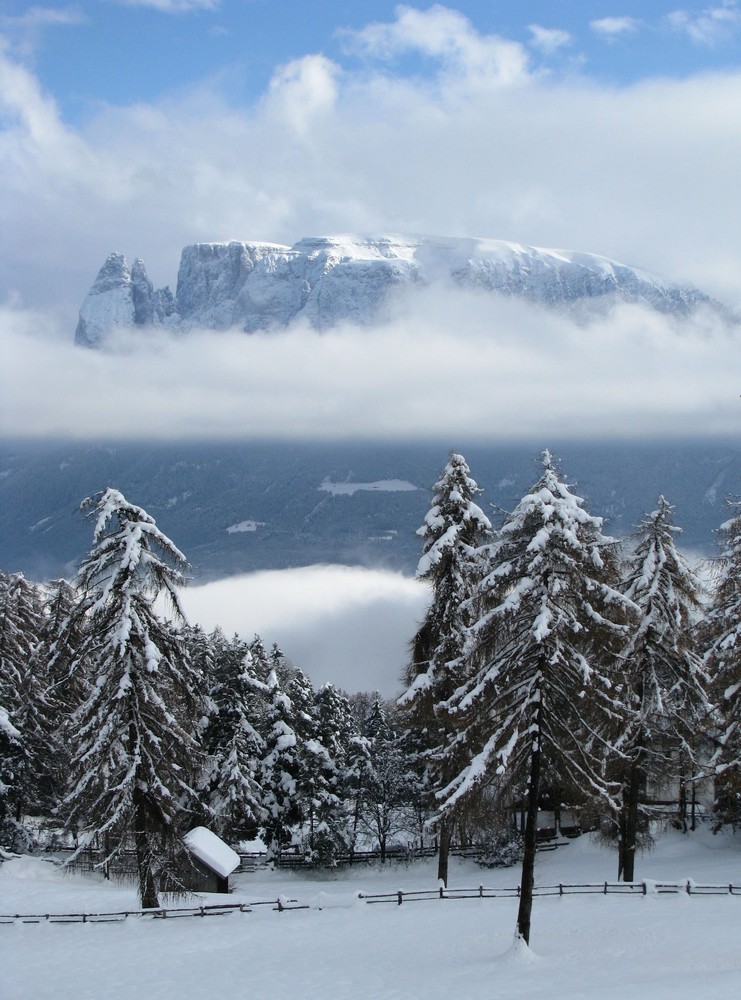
point(662, 672)
point(136, 734)
point(541, 699)
point(453, 531)
point(722, 641)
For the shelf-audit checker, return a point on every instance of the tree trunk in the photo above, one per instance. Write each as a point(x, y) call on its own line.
point(147, 888)
point(443, 852)
point(529, 846)
point(630, 824)
point(682, 804)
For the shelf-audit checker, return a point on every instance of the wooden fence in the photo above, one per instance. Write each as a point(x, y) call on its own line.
point(251, 861)
point(562, 889)
point(282, 905)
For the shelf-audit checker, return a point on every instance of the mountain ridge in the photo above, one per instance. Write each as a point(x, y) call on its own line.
point(262, 286)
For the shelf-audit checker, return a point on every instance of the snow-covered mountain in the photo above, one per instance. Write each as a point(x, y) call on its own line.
point(333, 279)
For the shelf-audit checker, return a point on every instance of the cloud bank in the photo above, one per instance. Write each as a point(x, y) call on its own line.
point(341, 624)
point(448, 364)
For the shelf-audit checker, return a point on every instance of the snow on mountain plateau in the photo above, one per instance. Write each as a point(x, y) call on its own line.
point(334, 279)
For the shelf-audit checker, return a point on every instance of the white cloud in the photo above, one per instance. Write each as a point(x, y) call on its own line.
point(548, 40)
point(449, 365)
point(447, 35)
point(612, 27)
point(713, 26)
point(303, 90)
point(35, 19)
point(341, 624)
point(172, 6)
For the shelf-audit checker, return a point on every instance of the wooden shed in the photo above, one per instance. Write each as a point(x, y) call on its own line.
point(213, 861)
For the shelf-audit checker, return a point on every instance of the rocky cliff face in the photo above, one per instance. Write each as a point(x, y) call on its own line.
point(122, 298)
point(264, 286)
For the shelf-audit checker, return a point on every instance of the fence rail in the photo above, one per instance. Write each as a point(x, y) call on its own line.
point(251, 861)
point(398, 897)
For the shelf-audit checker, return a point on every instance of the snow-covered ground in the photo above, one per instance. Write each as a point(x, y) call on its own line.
point(663, 947)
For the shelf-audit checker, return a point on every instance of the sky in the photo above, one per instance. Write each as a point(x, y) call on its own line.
point(144, 125)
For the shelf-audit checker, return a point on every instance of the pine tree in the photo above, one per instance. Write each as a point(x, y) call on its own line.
point(136, 733)
point(722, 639)
point(234, 745)
point(280, 771)
point(454, 530)
point(338, 736)
point(388, 782)
point(663, 673)
point(540, 699)
point(21, 695)
point(63, 688)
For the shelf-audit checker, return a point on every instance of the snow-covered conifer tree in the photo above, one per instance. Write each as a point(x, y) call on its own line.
point(663, 674)
point(540, 697)
point(280, 771)
point(234, 745)
point(389, 780)
point(136, 734)
point(451, 563)
point(722, 641)
point(22, 691)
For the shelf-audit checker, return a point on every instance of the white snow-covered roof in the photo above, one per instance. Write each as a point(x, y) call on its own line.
point(211, 850)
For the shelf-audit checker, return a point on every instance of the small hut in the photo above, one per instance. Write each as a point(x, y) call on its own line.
point(213, 861)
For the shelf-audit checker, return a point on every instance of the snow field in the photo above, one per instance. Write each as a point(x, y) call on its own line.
point(584, 947)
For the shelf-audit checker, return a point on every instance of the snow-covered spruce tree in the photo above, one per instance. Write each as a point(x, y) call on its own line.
point(234, 746)
point(22, 689)
point(453, 531)
point(388, 784)
point(662, 672)
point(54, 657)
point(540, 698)
point(346, 751)
point(136, 734)
point(322, 831)
point(722, 642)
point(280, 771)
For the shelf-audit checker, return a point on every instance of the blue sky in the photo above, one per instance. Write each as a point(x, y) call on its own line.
point(141, 126)
point(124, 51)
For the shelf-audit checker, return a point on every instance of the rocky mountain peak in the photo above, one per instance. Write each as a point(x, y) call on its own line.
point(347, 278)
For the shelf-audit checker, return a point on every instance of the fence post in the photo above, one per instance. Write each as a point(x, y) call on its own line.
point(688, 888)
point(400, 896)
point(481, 892)
point(605, 890)
point(644, 888)
point(440, 892)
point(560, 889)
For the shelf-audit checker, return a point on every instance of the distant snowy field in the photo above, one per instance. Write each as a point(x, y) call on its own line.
point(663, 947)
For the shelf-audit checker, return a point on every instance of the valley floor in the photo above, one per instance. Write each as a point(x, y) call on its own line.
point(666, 947)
